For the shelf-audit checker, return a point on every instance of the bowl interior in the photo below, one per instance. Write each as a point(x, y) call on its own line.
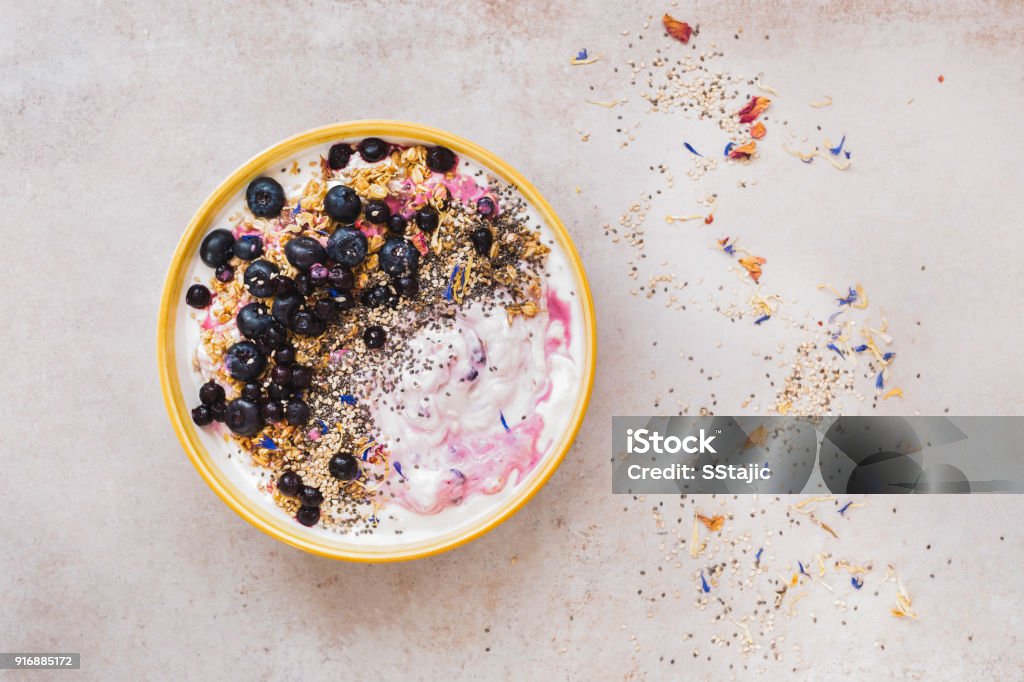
point(230, 473)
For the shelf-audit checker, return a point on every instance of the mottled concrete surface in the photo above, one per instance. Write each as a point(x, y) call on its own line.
point(119, 118)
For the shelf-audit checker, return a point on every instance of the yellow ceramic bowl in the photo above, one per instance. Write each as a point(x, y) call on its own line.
point(176, 370)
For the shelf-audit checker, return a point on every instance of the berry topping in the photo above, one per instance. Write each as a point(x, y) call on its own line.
point(397, 223)
point(304, 284)
point(202, 415)
point(342, 204)
point(341, 277)
point(278, 392)
point(259, 278)
point(220, 411)
point(216, 248)
point(440, 159)
point(276, 336)
point(305, 323)
point(296, 412)
point(338, 156)
point(319, 275)
point(252, 391)
point(427, 219)
point(373, 149)
point(486, 207)
point(211, 393)
point(310, 496)
point(344, 466)
point(377, 211)
point(376, 296)
point(398, 257)
point(286, 306)
point(272, 412)
point(285, 355)
point(244, 361)
point(197, 296)
point(224, 273)
point(482, 239)
point(344, 299)
point(249, 247)
point(281, 375)
point(308, 516)
point(407, 285)
point(347, 246)
point(303, 252)
point(374, 337)
point(326, 309)
point(302, 377)
point(265, 197)
point(285, 285)
point(289, 484)
point(253, 320)
point(243, 417)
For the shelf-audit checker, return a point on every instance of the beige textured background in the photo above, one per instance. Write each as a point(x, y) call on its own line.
point(119, 118)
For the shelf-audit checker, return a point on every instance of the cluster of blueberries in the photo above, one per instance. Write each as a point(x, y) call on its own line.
point(307, 303)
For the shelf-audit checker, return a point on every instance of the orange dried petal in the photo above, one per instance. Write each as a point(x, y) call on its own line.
point(758, 130)
point(680, 30)
point(712, 523)
point(754, 108)
point(743, 151)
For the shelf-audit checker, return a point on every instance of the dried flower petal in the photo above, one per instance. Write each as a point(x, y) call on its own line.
point(712, 523)
point(754, 108)
point(680, 30)
point(757, 131)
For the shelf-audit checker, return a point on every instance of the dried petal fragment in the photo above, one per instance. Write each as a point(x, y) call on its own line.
point(743, 151)
point(757, 131)
point(680, 30)
point(712, 523)
point(754, 108)
point(752, 264)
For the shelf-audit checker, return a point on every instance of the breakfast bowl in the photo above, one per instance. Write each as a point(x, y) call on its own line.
point(376, 341)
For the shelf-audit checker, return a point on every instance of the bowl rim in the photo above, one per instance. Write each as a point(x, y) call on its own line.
point(167, 357)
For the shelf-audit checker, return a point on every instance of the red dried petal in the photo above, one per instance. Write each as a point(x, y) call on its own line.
point(680, 30)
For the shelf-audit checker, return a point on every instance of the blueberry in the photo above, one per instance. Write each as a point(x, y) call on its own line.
point(397, 223)
point(398, 257)
point(252, 391)
point(407, 285)
point(394, 299)
point(216, 248)
point(377, 211)
point(344, 299)
point(197, 296)
point(344, 466)
point(341, 277)
point(440, 159)
point(285, 355)
point(339, 155)
point(220, 411)
point(289, 484)
point(427, 218)
point(310, 496)
point(260, 278)
point(486, 207)
point(202, 415)
point(326, 309)
point(376, 296)
point(272, 412)
point(304, 284)
point(224, 273)
point(308, 516)
point(319, 275)
point(276, 336)
point(482, 239)
point(211, 392)
point(253, 320)
point(373, 149)
point(286, 306)
point(296, 412)
point(285, 285)
point(347, 246)
point(243, 417)
point(305, 323)
point(278, 392)
point(265, 197)
point(374, 337)
point(249, 247)
point(281, 375)
point(244, 361)
point(302, 252)
point(342, 204)
point(302, 377)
